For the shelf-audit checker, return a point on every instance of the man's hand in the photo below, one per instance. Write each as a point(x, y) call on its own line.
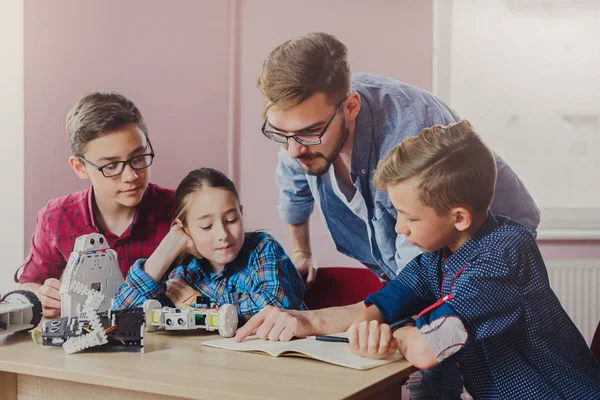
point(50, 298)
point(180, 293)
point(372, 339)
point(305, 266)
point(276, 324)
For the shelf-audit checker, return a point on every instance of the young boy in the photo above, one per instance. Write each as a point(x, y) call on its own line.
point(480, 289)
point(110, 148)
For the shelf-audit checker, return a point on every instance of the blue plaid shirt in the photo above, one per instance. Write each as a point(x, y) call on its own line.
point(521, 343)
point(261, 275)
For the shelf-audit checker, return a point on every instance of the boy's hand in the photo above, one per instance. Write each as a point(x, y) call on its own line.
point(372, 339)
point(180, 293)
point(50, 298)
point(183, 241)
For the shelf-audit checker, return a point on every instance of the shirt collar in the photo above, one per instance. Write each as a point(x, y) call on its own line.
point(143, 219)
point(146, 220)
point(203, 267)
point(363, 139)
point(464, 252)
point(240, 261)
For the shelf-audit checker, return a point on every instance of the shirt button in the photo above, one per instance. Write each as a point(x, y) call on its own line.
point(363, 171)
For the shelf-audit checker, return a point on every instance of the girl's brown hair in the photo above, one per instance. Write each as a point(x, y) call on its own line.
point(193, 182)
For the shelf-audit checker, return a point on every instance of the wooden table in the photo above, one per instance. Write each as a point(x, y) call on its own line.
point(176, 365)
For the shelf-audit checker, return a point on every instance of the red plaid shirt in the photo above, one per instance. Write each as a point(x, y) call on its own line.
point(63, 220)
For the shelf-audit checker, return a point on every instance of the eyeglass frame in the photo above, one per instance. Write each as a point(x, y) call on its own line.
point(295, 135)
point(124, 163)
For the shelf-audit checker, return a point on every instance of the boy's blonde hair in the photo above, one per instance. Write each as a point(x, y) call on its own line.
point(452, 163)
point(301, 67)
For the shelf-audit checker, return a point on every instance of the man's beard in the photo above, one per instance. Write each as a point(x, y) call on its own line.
point(330, 158)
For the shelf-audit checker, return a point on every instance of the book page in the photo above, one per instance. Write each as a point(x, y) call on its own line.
point(334, 353)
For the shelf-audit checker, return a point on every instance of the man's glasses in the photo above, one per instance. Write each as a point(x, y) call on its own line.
point(305, 139)
point(116, 168)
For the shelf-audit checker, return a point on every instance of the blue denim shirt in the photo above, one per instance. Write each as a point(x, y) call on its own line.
point(390, 112)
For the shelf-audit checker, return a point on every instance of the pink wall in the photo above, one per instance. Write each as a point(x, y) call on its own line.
point(384, 36)
point(574, 249)
point(174, 62)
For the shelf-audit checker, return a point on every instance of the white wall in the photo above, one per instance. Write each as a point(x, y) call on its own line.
point(527, 75)
point(11, 134)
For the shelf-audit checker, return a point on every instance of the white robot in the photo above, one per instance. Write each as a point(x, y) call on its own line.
point(92, 266)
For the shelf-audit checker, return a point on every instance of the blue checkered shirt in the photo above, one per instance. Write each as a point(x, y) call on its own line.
point(261, 275)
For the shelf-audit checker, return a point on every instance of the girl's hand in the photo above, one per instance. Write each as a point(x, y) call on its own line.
point(180, 293)
point(175, 243)
point(183, 240)
point(372, 339)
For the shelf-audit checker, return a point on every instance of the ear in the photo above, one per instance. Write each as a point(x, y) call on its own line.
point(78, 167)
point(351, 107)
point(180, 224)
point(462, 218)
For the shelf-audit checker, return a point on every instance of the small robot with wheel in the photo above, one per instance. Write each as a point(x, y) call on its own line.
point(199, 315)
point(20, 311)
point(89, 283)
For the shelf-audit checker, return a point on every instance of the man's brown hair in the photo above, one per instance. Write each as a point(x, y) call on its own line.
point(301, 67)
point(453, 165)
point(100, 112)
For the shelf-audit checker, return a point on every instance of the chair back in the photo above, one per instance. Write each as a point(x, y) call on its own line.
point(341, 286)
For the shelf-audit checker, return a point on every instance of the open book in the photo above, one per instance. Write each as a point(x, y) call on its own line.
point(334, 353)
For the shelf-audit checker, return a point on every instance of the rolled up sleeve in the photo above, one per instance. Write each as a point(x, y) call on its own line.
point(296, 202)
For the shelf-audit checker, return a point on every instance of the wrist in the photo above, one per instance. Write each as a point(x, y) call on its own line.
point(301, 254)
point(317, 323)
point(175, 242)
point(363, 316)
point(403, 335)
point(368, 313)
point(402, 323)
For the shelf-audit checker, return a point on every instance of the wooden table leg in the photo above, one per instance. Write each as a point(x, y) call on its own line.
point(8, 386)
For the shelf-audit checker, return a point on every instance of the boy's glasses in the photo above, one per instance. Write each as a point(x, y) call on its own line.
point(305, 139)
point(117, 167)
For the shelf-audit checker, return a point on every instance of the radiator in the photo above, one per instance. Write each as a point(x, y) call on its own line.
point(577, 285)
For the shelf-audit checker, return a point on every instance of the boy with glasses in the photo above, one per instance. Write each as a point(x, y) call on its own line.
point(341, 124)
point(110, 148)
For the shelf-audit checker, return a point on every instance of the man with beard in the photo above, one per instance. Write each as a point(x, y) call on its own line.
point(334, 127)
